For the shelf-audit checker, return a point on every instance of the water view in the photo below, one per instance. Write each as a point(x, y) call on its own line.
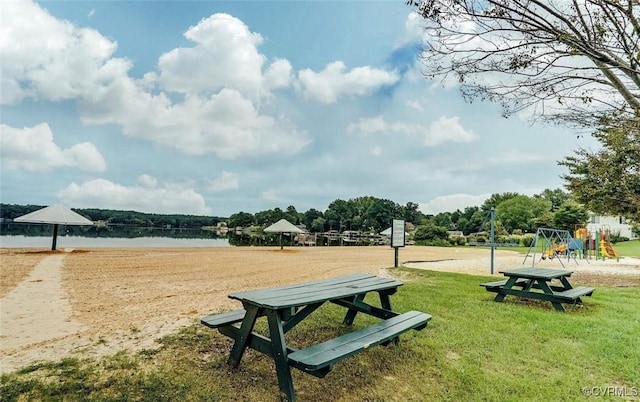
point(90, 242)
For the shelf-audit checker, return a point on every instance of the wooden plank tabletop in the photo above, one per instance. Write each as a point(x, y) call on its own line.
point(301, 294)
point(537, 273)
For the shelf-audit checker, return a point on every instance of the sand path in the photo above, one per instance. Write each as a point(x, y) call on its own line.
point(38, 309)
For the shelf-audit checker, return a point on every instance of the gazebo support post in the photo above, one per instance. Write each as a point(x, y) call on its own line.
point(55, 236)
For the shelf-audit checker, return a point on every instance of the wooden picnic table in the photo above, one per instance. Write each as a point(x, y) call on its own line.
point(286, 306)
point(538, 283)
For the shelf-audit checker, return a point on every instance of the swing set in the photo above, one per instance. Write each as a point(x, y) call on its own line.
point(554, 244)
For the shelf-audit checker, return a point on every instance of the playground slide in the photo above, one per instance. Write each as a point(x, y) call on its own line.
point(606, 249)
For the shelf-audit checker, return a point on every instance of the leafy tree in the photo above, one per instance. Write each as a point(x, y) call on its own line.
point(545, 220)
point(337, 214)
point(310, 216)
point(574, 61)
point(556, 197)
point(577, 61)
point(430, 231)
point(569, 215)
point(263, 218)
point(495, 199)
point(381, 213)
point(443, 219)
point(356, 223)
point(520, 211)
point(410, 213)
point(471, 219)
point(463, 225)
point(292, 215)
point(362, 213)
point(607, 181)
point(317, 225)
point(243, 219)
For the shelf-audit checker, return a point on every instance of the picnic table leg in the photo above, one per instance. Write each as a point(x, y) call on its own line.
point(565, 283)
point(547, 290)
point(510, 282)
point(385, 302)
point(242, 340)
point(279, 351)
point(351, 314)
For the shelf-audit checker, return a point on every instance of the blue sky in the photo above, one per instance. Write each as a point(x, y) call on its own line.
point(218, 107)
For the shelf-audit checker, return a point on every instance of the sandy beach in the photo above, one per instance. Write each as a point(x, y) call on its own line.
point(88, 303)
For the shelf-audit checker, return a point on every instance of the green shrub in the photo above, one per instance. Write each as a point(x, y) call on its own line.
point(527, 241)
point(431, 231)
point(434, 242)
point(513, 239)
point(617, 238)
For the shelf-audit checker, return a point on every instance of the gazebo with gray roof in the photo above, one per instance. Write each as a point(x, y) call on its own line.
point(54, 215)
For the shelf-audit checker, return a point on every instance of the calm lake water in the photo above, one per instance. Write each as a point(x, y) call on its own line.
point(90, 242)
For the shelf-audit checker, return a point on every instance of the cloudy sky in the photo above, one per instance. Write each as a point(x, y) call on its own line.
point(219, 107)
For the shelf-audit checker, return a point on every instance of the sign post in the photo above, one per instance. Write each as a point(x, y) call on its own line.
point(397, 237)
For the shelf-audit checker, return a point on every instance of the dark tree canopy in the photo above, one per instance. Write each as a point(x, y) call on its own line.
point(577, 61)
point(607, 181)
point(569, 216)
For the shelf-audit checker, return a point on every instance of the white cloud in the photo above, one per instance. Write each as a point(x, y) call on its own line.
point(452, 202)
point(225, 55)
point(413, 29)
point(334, 82)
point(101, 193)
point(445, 129)
point(48, 59)
point(516, 156)
point(33, 149)
point(278, 75)
point(415, 104)
point(147, 181)
point(270, 195)
point(375, 125)
point(367, 126)
point(225, 124)
point(226, 181)
point(376, 151)
point(45, 58)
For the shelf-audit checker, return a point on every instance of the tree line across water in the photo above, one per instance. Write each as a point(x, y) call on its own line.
point(515, 214)
point(114, 223)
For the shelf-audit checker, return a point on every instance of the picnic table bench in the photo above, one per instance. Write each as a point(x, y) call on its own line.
point(285, 307)
point(521, 282)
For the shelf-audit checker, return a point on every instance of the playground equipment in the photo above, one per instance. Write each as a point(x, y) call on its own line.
point(605, 249)
point(555, 244)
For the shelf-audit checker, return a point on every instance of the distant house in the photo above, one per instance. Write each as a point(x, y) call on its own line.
point(612, 224)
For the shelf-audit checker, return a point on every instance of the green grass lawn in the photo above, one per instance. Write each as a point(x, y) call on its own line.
point(628, 248)
point(474, 349)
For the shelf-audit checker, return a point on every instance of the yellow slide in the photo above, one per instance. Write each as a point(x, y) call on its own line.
point(606, 249)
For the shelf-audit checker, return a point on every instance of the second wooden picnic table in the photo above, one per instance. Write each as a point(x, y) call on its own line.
point(286, 306)
point(521, 282)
